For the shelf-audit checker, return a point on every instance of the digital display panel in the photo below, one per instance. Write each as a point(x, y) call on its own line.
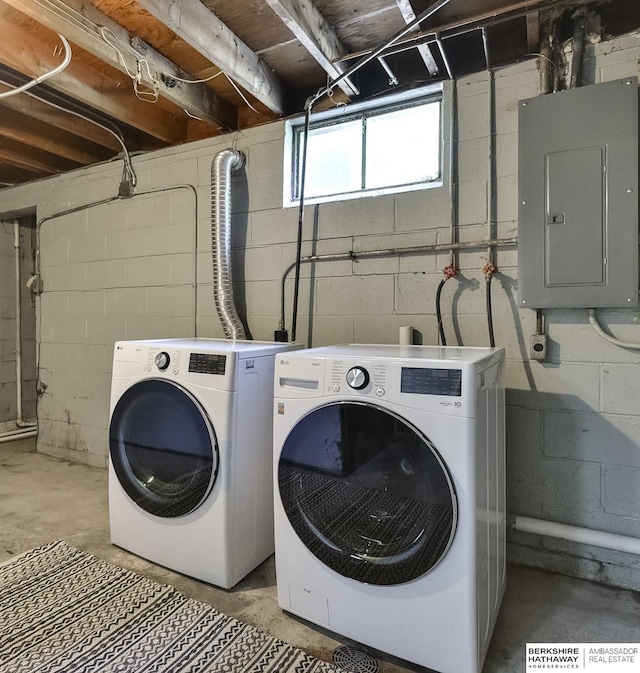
point(429, 381)
point(207, 363)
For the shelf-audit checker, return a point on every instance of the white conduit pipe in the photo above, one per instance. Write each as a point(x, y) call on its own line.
point(20, 422)
point(47, 75)
point(23, 434)
point(16, 252)
point(19, 431)
point(596, 326)
point(595, 538)
point(223, 164)
point(453, 167)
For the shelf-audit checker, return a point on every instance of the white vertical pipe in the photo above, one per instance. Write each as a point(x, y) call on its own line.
point(16, 253)
point(406, 335)
point(453, 167)
point(20, 422)
point(490, 171)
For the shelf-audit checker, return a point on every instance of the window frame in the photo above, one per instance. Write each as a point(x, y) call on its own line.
point(294, 128)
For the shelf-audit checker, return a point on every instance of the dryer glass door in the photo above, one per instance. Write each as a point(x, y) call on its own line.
point(163, 448)
point(367, 493)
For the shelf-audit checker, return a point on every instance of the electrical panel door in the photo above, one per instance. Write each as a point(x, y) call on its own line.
point(578, 193)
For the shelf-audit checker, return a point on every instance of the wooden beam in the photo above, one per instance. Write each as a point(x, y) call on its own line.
point(409, 15)
point(533, 32)
point(50, 139)
point(11, 175)
point(201, 28)
point(90, 29)
point(38, 110)
point(28, 158)
point(29, 55)
point(315, 34)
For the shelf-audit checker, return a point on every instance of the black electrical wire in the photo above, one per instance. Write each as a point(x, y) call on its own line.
point(303, 172)
point(443, 339)
point(492, 340)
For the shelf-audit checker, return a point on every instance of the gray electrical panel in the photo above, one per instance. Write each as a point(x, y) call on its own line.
point(578, 197)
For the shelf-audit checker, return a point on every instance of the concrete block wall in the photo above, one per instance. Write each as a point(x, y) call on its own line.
point(141, 268)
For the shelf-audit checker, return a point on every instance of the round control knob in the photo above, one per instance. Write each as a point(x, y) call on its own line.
point(162, 361)
point(357, 378)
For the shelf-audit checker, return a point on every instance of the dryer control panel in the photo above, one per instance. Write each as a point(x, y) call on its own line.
point(160, 360)
point(207, 363)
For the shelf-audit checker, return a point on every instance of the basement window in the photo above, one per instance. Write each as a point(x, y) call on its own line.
point(367, 149)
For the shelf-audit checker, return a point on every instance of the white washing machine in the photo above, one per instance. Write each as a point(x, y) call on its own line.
point(190, 479)
point(390, 524)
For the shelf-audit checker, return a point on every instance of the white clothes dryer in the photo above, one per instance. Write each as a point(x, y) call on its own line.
point(390, 524)
point(190, 479)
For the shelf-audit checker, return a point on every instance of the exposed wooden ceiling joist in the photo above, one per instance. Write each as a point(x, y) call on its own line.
point(48, 129)
point(201, 29)
point(29, 158)
point(409, 15)
point(50, 139)
point(533, 32)
point(315, 34)
point(28, 54)
point(10, 175)
point(34, 109)
point(93, 31)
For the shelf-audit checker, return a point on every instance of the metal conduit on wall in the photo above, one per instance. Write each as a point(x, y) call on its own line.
point(36, 280)
point(386, 252)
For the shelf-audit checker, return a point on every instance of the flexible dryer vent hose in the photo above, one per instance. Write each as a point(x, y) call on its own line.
point(223, 164)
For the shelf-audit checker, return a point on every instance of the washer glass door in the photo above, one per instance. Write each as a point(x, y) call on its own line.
point(367, 493)
point(163, 448)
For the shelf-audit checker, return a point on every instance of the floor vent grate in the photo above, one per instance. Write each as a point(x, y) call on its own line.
point(353, 660)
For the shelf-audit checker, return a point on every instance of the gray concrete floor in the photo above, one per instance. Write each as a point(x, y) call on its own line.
point(44, 499)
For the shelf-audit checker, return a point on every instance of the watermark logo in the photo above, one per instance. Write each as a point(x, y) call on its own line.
point(585, 657)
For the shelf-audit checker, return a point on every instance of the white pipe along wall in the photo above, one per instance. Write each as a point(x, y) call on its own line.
point(595, 538)
point(24, 428)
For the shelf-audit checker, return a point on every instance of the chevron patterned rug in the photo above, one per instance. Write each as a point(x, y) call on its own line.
point(64, 610)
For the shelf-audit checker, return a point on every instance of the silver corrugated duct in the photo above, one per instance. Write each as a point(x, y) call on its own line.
point(223, 164)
